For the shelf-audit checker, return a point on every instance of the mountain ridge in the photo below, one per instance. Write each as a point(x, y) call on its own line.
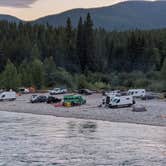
point(6, 17)
point(121, 16)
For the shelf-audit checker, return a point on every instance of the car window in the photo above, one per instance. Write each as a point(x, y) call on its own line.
point(3, 96)
point(114, 100)
point(34, 95)
point(118, 101)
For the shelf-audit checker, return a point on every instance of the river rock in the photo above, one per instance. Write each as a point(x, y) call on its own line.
point(139, 109)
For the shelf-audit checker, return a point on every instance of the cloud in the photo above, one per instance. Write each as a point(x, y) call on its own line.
point(16, 3)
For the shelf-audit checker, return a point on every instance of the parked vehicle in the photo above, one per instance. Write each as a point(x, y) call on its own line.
point(23, 90)
point(151, 95)
point(52, 99)
point(74, 100)
point(119, 101)
point(9, 96)
point(85, 91)
point(56, 91)
point(109, 95)
point(38, 99)
point(113, 93)
point(137, 92)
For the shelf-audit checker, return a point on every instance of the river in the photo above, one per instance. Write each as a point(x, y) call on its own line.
point(37, 140)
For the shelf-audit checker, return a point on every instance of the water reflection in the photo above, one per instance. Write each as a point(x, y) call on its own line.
point(84, 128)
point(45, 140)
point(87, 126)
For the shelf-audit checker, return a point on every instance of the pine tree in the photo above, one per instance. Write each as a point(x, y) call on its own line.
point(71, 59)
point(49, 72)
point(37, 73)
point(69, 38)
point(89, 45)
point(2, 60)
point(35, 52)
point(10, 77)
point(25, 74)
point(80, 44)
point(163, 71)
point(163, 74)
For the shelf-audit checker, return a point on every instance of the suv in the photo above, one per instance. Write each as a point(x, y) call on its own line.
point(52, 99)
point(38, 99)
point(56, 91)
point(85, 91)
point(74, 100)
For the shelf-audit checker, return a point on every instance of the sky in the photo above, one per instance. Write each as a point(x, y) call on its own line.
point(33, 9)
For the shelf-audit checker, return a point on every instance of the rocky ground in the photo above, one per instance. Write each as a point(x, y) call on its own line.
point(155, 114)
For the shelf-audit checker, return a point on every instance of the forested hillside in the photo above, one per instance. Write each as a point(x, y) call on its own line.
point(45, 56)
point(9, 18)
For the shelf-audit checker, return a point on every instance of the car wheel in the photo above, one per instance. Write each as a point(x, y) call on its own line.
point(72, 104)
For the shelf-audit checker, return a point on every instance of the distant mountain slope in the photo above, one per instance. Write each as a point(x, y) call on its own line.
point(122, 16)
point(9, 18)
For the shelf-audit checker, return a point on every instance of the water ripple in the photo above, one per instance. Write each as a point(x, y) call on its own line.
point(45, 140)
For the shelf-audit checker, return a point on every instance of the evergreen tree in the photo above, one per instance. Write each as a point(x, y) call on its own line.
point(25, 74)
point(80, 44)
point(35, 52)
point(70, 47)
point(163, 71)
point(89, 46)
point(37, 73)
point(10, 77)
point(69, 38)
point(2, 60)
point(49, 71)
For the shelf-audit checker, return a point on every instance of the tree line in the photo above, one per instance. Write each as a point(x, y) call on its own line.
point(46, 56)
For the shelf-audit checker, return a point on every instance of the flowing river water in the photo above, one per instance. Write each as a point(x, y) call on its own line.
point(36, 140)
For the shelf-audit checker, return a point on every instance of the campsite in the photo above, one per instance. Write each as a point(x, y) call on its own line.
point(155, 114)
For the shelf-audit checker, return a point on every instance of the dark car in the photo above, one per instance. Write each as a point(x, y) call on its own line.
point(52, 99)
point(38, 99)
point(85, 91)
point(150, 96)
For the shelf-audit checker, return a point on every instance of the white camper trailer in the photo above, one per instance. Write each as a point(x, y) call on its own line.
point(9, 96)
point(120, 101)
point(113, 93)
point(137, 92)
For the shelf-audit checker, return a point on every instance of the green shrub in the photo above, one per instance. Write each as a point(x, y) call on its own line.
point(141, 83)
point(62, 77)
point(157, 86)
point(101, 85)
point(83, 83)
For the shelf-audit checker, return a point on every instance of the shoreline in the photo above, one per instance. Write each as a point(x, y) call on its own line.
point(154, 116)
point(87, 118)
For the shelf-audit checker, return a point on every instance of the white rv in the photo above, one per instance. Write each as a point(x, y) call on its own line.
point(120, 101)
point(9, 96)
point(137, 92)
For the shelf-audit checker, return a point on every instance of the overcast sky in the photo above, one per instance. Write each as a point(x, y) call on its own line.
point(32, 9)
